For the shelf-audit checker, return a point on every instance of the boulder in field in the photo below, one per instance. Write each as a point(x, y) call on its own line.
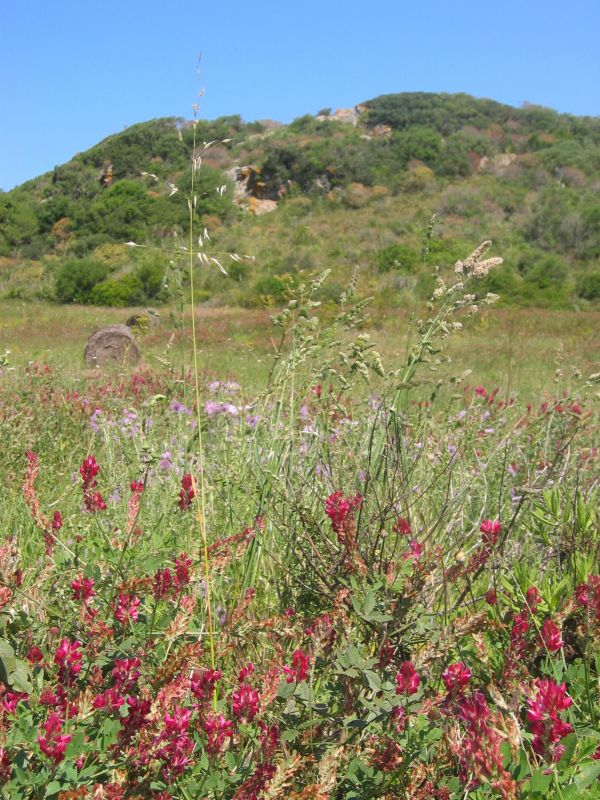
point(113, 344)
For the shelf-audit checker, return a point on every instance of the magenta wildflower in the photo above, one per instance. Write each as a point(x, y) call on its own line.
point(54, 743)
point(543, 715)
point(407, 679)
point(550, 635)
point(456, 678)
point(300, 667)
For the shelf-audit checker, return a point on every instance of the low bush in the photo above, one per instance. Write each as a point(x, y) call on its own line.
point(76, 278)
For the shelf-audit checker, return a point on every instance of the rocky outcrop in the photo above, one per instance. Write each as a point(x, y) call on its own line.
point(350, 116)
point(249, 189)
point(497, 164)
point(259, 207)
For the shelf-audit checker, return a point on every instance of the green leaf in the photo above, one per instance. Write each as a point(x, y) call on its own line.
point(569, 743)
point(373, 680)
point(369, 603)
point(587, 775)
point(540, 782)
point(53, 788)
point(20, 679)
point(8, 662)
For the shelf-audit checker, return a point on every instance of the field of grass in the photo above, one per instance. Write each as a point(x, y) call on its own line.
point(517, 350)
point(326, 566)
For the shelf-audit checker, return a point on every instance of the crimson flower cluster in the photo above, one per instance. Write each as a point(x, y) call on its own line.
point(300, 667)
point(490, 533)
point(165, 582)
point(543, 715)
point(187, 493)
point(127, 608)
point(407, 679)
point(83, 589)
point(92, 500)
point(245, 700)
point(68, 659)
point(53, 743)
point(456, 678)
point(479, 754)
point(587, 595)
point(340, 510)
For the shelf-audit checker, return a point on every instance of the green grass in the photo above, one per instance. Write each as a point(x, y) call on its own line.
point(517, 350)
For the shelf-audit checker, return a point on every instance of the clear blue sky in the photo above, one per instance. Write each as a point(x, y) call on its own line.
point(75, 71)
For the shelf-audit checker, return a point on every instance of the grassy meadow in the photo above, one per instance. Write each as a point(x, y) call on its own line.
point(321, 556)
point(517, 350)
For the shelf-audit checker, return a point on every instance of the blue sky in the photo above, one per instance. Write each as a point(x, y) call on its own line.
point(75, 71)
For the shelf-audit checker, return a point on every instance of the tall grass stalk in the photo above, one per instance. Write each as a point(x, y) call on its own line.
point(200, 496)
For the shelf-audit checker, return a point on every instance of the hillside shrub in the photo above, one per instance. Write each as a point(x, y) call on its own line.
point(76, 278)
point(121, 292)
point(588, 286)
point(397, 257)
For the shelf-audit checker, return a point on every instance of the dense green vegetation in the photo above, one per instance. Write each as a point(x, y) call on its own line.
point(355, 576)
point(347, 194)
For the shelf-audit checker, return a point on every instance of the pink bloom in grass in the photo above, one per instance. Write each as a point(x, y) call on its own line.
point(398, 717)
point(183, 565)
point(57, 521)
point(300, 667)
point(162, 583)
point(269, 737)
point(341, 509)
point(543, 715)
point(93, 501)
point(34, 655)
point(178, 721)
point(402, 526)
point(217, 729)
point(203, 683)
point(519, 628)
point(415, 550)
point(6, 765)
point(491, 598)
point(245, 672)
point(587, 595)
point(83, 588)
point(54, 743)
point(456, 678)
point(187, 493)
point(88, 471)
point(68, 658)
point(126, 672)
point(111, 699)
point(533, 598)
point(11, 700)
point(137, 718)
point(245, 702)
point(550, 635)
point(490, 531)
point(127, 608)
point(473, 710)
point(407, 679)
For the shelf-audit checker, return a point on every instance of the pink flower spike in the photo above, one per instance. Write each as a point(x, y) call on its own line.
point(407, 679)
point(550, 635)
point(490, 531)
point(456, 677)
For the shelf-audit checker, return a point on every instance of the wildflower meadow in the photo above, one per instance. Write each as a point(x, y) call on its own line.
point(365, 580)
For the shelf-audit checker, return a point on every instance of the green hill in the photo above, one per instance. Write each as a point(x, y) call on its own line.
point(335, 190)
